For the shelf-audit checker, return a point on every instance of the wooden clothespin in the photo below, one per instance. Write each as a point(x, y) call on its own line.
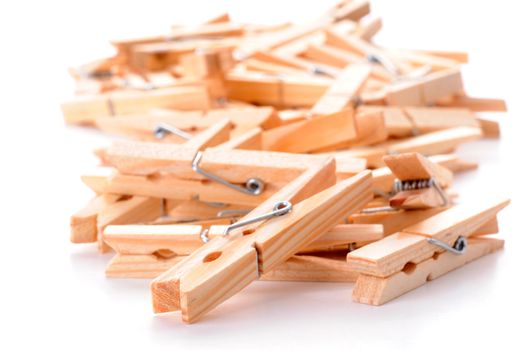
point(341, 94)
point(178, 171)
point(313, 268)
point(413, 121)
point(210, 66)
point(87, 224)
point(190, 286)
point(339, 58)
point(215, 175)
point(350, 10)
point(420, 183)
point(408, 259)
point(141, 127)
point(474, 104)
point(427, 90)
point(85, 109)
point(383, 177)
point(275, 90)
point(299, 137)
point(433, 143)
point(146, 251)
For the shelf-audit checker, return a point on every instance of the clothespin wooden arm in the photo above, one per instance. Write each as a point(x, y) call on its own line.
point(233, 165)
point(312, 268)
point(143, 126)
point(343, 90)
point(86, 109)
point(183, 239)
point(173, 186)
point(272, 243)
point(420, 183)
point(376, 290)
point(166, 288)
point(391, 254)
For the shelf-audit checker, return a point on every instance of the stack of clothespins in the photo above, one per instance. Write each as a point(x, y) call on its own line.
point(288, 152)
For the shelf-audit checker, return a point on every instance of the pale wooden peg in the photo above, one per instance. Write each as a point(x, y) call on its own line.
point(347, 234)
point(142, 126)
point(250, 140)
point(85, 109)
point(256, 65)
point(474, 104)
point(419, 199)
point(391, 254)
point(383, 178)
point(395, 221)
point(84, 222)
point(343, 90)
point(339, 58)
point(351, 10)
point(370, 130)
point(275, 40)
point(412, 121)
point(375, 290)
point(413, 166)
point(127, 210)
point(368, 28)
point(298, 137)
point(309, 268)
point(221, 18)
point(275, 169)
point(209, 30)
point(183, 239)
point(288, 91)
point(436, 142)
point(490, 128)
point(364, 49)
point(140, 266)
point(427, 90)
point(146, 251)
point(234, 267)
point(433, 119)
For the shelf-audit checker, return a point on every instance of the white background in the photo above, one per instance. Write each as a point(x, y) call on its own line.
point(54, 294)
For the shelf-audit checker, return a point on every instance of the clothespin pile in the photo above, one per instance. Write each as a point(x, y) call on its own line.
point(289, 152)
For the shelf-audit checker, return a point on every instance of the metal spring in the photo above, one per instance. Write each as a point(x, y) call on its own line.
point(409, 185)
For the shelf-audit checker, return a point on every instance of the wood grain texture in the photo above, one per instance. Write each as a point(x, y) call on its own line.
point(395, 221)
point(376, 290)
point(344, 89)
point(212, 282)
point(391, 254)
point(85, 109)
point(289, 91)
point(308, 268)
point(127, 210)
point(413, 166)
point(299, 137)
point(165, 289)
point(141, 126)
point(146, 251)
point(83, 224)
point(427, 90)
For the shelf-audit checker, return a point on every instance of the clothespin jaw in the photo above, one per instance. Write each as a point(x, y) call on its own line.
point(420, 182)
point(88, 224)
point(271, 243)
point(148, 250)
point(375, 290)
point(424, 251)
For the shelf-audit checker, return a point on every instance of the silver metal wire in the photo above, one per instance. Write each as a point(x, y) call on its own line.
point(459, 247)
point(253, 186)
point(162, 129)
point(279, 209)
